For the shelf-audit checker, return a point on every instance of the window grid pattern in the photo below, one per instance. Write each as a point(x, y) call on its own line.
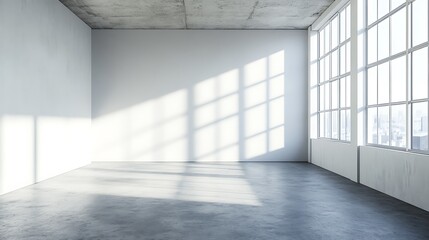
point(334, 77)
point(397, 74)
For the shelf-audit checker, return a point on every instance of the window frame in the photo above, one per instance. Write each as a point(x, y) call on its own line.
point(340, 78)
point(409, 102)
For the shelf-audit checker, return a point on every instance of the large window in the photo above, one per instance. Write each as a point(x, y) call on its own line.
point(397, 73)
point(334, 77)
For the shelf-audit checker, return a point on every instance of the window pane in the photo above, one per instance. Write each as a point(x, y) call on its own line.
point(322, 42)
point(396, 3)
point(372, 125)
point(383, 83)
point(348, 125)
point(334, 94)
point(327, 38)
point(383, 125)
point(398, 125)
point(345, 125)
point(399, 85)
point(348, 86)
point(334, 63)
point(327, 96)
point(322, 70)
point(322, 124)
point(372, 86)
point(420, 21)
point(343, 59)
point(383, 7)
point(348, 22)
point(322, 97)
point(372, 44)
point(342, 92)
point(399, 31)
point(342, 26)
point(420, 73)
point(348, 57)
point(334, 30)
point(383, 39)
point(420, 126)
point(372, 11)
point(335, 124)
point(328, 124)
point(327, 66)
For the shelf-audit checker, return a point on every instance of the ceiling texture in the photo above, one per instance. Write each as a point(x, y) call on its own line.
point(198, 14)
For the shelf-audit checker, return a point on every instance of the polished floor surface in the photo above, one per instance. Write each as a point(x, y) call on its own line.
point(206, 201)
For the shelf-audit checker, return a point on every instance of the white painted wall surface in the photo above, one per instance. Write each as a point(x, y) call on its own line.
point(199, 95)
point(402, 175)
point(45, 92)
point(338, 157)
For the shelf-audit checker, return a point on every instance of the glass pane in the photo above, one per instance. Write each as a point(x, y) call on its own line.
point(372, 125)
point(343, 59)
point(335, 124)
point(327, 96)
point(348, 126)
point(343, 125)
point(348, 22)
point(383, 39)
point(334, 63)
point(372, 11)
point(396, 3)
point(399, 31)
point(327, 66)
point(322, 125)
point(322, 42)
point(334, 94)
point(383, 7)
point(383, 125)
point(327, 38)
point(334, 30)
point(328, 124)
point(420, 73)
point(372, 44)
point(420, 126)
point(322, 97)
point(399, 85)
point(322, 70)
point(342, 92)
point(348, 57)
point(348, 86)
point(420, 21)
point(398, 125)
point(342, 26)
point(372, 86)
point(383, 83)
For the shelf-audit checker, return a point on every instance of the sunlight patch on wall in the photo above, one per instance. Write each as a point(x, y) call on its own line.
point(264, 105)
point(16, 152)
point(34, 148)
point(62, 144)
point(216, 118)
point(155, 130)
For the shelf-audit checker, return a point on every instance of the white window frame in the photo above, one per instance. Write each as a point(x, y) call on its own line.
point(340, 78)
point(409, 50)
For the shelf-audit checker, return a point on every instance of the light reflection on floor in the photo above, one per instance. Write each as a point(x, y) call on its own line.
point(223, 183)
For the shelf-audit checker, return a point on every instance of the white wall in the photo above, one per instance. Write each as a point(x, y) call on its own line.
point(45, 81)
point(402, 175)
point(199, 95)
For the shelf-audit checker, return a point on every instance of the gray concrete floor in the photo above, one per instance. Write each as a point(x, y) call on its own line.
point(206, 201)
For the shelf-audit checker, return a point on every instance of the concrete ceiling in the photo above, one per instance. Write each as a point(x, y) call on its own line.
point(198, 14)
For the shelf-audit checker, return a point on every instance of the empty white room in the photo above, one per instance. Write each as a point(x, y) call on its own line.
point(214, 119)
